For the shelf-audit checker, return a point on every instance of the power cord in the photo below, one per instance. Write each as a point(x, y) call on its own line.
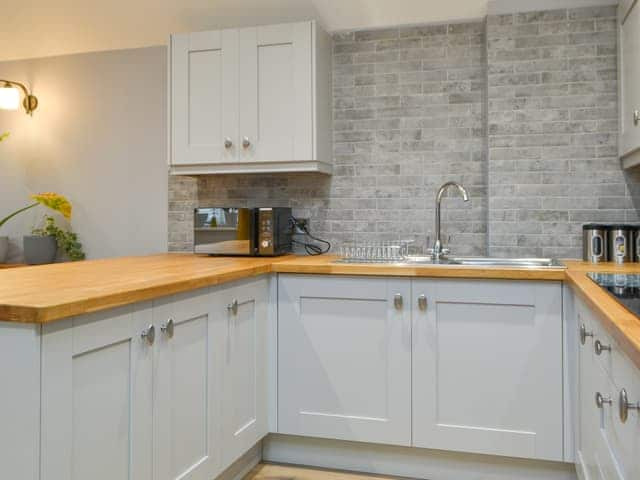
point(310, 248)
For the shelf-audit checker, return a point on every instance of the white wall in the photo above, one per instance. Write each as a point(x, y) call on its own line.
point(55, 27)
point(99, 137)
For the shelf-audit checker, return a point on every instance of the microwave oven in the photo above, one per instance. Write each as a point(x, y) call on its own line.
point(238, 231)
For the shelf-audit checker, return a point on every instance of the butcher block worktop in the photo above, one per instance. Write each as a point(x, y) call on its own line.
point(45, 293)
point(621, 324)
point(51, 292)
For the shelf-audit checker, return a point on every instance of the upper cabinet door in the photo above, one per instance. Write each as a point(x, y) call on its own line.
point(629, 63)
point(344, 358)
point(204, 92)
point(487, 367)
point(97, 391)
point(276, 93)
point(188, 371)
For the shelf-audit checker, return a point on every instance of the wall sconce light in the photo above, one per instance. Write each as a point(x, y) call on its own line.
point(10, 97)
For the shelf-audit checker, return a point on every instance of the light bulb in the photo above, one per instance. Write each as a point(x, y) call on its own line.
point(9, 98)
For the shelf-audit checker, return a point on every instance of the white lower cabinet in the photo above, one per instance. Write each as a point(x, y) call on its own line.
point(188, 386)
point(607, 440)
point(487, 367)
point(245, 389)
point(97, 397)
point(472, 366)
point(344, 358)
point(164, 391)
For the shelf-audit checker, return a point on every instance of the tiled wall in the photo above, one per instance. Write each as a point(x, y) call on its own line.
point(552, 128)
point(411, 111)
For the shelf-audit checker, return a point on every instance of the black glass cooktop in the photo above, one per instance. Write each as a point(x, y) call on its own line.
point(624, 287)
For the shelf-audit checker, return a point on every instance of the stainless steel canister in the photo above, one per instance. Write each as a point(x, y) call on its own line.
point(594, 243)
point(620, 243)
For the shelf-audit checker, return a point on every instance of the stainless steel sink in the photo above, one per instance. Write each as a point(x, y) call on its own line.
point(486, 262)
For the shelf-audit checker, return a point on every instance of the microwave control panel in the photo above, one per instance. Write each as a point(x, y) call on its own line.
point(265, 231)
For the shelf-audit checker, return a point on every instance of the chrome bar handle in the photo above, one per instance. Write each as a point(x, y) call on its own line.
point(233, 307)
point(149, 334)
point(624, 405)
point(600, 347)
point(584, 334)
point(168, 327)
point(397, 301)
point(601, 400)
point(422, 302)
point(228, 143)
point(246, 143)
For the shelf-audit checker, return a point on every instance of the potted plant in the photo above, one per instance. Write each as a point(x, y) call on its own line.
point(53, 201)
point(42, 246)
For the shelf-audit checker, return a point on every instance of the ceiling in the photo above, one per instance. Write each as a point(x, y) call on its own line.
point(38, 28)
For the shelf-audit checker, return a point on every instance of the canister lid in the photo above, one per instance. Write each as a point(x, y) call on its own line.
point(621, 226)
point(594, 226)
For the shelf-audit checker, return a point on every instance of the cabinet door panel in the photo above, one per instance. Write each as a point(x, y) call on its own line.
point(245, 375)
point(487, 368)
point(186, 375)
point(276, 107)
point(344, 359)
point(97, 397)
point(629, 77)
point(204, 82)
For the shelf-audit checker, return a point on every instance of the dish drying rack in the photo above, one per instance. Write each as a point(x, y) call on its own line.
point(375, 252)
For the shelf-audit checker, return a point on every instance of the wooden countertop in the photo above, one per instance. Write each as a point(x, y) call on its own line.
point(621, 324)
point(45, 293)
point(325, 264)
point(42, 294)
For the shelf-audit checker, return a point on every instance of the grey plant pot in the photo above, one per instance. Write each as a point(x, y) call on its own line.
point(4, 249)
point(39, 250)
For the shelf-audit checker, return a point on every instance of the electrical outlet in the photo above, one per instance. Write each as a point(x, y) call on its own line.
point(301, 225)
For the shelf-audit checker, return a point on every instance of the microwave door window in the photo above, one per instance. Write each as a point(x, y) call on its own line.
point(222, 231)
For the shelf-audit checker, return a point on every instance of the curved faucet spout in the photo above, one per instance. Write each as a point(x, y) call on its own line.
point(443, 188)
point(438, 250)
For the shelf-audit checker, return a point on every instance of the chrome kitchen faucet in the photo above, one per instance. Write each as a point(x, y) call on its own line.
point(438, 251)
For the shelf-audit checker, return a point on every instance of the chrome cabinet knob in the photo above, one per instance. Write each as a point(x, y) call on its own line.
point(397, 301)
point(149, 334)
point(636, 117)
point(228, 143)
point(624, 405)
point(233, 307)
point(246, 143)
point(602, 400)
point(599, 347)
point(422, 302)
point(584, 334)
point(167, 328)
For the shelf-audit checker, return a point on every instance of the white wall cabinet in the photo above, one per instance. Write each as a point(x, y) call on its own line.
point(344, 358)
point(487, 367)
point(251, 100)
point(607, 445)
point(171, 390)
point(629, 81)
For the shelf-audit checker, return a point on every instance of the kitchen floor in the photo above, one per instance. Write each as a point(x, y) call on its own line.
point(284, 472)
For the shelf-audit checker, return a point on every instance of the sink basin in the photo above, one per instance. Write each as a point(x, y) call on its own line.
point(487, 261)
